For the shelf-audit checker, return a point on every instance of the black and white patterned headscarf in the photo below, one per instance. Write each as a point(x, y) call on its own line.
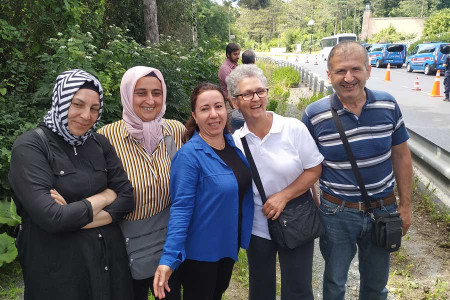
point(67, 84)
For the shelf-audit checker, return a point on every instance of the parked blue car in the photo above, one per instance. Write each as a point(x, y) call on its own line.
point(427, 57)
point(382, 54)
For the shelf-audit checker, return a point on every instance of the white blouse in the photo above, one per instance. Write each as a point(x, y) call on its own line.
point(280, 157)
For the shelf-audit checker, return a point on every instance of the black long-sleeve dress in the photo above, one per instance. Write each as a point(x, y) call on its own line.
point(59, 259)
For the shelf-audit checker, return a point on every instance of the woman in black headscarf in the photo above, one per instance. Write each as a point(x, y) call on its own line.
point(70, 190)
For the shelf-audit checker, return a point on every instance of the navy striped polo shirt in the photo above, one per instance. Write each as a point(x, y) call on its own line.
point(371, 136)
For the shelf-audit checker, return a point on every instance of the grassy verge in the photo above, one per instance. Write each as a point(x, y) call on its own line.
point(11, 285)
point(279, 81)
point(406, 269)
point(304, 102)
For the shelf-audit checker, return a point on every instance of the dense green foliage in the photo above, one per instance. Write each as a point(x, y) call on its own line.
point(279, 82)
point(8, 219)
point(438, 22)
point(304, 102)
point(61, 39)
point(389, 35)
point(286, 76)
point(41, 39)
point(285, 23)
point(444, 37)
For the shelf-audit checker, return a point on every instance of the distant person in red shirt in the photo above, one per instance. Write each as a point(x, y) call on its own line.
point(233, 52)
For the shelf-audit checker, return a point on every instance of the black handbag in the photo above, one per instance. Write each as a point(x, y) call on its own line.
point(387, 230)
point(299, 222)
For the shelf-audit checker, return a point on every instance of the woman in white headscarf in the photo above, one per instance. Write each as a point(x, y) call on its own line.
point(70, 190)
point(145, 143)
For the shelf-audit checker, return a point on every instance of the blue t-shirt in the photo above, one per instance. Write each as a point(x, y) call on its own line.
point(371, 137)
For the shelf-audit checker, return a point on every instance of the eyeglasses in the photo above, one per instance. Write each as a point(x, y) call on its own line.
point(248, 96)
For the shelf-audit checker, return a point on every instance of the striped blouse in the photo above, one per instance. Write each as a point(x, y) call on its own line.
point(148, 173)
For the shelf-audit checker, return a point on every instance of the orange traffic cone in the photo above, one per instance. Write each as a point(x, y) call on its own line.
point(436, 90)
point(316, 61)
point(307, 58)
point(416, 85)
point(387, 76)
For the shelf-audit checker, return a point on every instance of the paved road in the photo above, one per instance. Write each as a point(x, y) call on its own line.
point(428, 116)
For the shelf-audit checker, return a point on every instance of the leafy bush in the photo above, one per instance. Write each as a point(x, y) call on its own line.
point(389, 35)
point(438, 22)
point(443, 37)
point(279, 92)
point(287, 76)
point(304, 102)
point(8, 217)
point(267, 69)
point(26, 90)
point(272, 106)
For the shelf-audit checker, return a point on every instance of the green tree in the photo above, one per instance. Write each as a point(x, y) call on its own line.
point(382, 8)
point(416, 8)
point(254, 4)
point(438, 22)
point(389, 35)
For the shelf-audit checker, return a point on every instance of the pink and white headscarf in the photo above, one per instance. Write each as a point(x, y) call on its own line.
point(149, 134)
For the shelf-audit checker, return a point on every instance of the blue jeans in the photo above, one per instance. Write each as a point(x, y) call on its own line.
point(348, 229)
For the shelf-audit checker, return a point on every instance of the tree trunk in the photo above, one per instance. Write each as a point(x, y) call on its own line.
point(151, 21)
point(194, 23)
point(423, 6)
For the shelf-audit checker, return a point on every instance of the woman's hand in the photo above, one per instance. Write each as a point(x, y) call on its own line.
point(161, 281)
point(57, 197)
point(274, 206)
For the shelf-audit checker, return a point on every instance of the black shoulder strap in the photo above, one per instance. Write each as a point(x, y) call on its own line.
point(351, 158)
point(255, 173)
point(44, 139)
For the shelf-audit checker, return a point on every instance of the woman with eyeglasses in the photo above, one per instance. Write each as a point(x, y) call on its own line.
point(289, 163)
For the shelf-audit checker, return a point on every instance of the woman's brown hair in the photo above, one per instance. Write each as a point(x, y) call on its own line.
point(191, 125)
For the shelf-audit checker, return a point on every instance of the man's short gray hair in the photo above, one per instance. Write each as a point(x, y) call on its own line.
point(346, 47)
point(240, 73)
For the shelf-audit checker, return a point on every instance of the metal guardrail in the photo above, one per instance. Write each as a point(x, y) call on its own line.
point(434, 159)
point(315, 83)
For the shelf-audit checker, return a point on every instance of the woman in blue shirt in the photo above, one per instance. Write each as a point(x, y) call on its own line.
point(212, 203)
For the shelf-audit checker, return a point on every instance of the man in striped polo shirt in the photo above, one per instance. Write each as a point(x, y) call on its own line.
point(374, 126)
